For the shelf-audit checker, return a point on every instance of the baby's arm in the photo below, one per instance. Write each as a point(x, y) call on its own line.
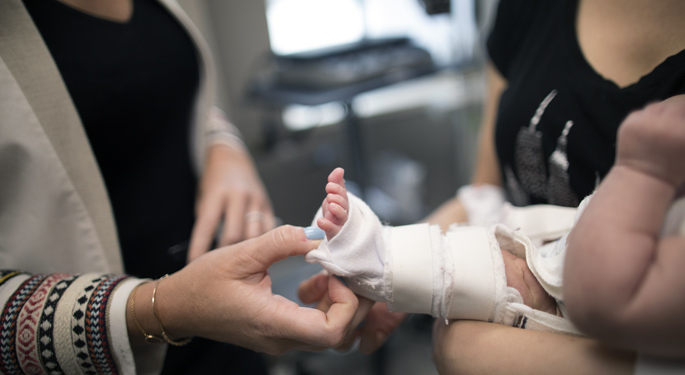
point(624, 282)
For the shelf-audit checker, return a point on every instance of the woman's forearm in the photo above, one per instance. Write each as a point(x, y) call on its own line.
point(469, 347)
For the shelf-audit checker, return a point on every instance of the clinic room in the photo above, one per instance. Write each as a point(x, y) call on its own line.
point(342, 187)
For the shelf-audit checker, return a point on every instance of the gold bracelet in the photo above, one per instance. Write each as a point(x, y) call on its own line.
point(180, 342)
point(150, 339)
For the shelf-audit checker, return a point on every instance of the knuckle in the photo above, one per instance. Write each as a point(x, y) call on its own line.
point(240, 190)
point(284, 234)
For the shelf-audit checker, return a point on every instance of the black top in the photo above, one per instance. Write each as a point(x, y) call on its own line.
point(559, 155)
point(134, 86)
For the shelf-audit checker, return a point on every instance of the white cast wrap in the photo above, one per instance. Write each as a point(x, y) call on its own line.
point(415, 268)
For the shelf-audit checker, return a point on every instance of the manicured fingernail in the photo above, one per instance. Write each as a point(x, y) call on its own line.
point(314, 233)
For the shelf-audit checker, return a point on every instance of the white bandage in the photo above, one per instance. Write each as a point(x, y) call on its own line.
point(477, 273)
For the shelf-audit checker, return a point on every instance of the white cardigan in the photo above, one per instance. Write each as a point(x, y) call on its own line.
point(55, 214)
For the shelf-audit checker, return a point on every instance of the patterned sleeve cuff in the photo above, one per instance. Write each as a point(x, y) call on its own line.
point(59, 323)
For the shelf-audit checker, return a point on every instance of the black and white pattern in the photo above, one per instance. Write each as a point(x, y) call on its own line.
point(78, 329)
point(531, 178)
point(46, 341)
point(96, 315)
point(529, 154)
point(559, 186)
point(9, 363)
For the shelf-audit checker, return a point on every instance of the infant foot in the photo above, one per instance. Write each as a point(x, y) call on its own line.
point(335, 206)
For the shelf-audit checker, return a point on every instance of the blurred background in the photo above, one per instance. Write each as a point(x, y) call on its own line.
point(391, 90)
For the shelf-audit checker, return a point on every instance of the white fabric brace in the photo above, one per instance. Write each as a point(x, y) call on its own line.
point(416, 269)
point(540, 223)
point(486, 205)
point(411, 275)
point(474, 262)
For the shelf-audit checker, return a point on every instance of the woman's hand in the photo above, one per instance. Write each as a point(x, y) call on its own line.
point(231, 190)
point(226, 296)
point(373, 322)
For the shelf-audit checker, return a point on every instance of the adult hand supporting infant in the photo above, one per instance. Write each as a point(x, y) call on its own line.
point(379, 323)
point(226, 295)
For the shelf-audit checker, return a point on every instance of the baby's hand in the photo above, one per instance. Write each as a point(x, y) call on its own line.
point(335, 206)
point(652, 141)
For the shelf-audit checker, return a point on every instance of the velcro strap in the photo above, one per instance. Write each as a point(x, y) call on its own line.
point(412, 269)
point(474, 287)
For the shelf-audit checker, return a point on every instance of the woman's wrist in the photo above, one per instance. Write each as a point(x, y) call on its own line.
point(173, 309)
point(169, 338)
point(151, 316)
point(141, 324)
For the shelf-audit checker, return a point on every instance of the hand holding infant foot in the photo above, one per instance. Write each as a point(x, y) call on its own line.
point(373, 322)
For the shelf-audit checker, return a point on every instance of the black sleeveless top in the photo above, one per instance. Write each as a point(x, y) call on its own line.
point(134, 86)
point(558, 118)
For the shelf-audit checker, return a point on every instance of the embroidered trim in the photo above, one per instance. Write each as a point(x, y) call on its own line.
point(29, 318)
point(65, 351)
point(46, 341)
point(96, 327)
point(78, 331)
point(8, 324)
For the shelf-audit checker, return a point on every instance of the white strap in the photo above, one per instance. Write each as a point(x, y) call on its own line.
point(540, 222)
point(474, 288)
point(541, 321)
point(412, 269)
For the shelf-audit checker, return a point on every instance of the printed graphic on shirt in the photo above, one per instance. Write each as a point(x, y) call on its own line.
point(559, 187)
point(531, 169)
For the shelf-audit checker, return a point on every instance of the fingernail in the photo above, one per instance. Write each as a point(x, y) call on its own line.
point(314, 233)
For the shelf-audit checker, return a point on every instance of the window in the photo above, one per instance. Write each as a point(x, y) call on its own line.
point(305, 25)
